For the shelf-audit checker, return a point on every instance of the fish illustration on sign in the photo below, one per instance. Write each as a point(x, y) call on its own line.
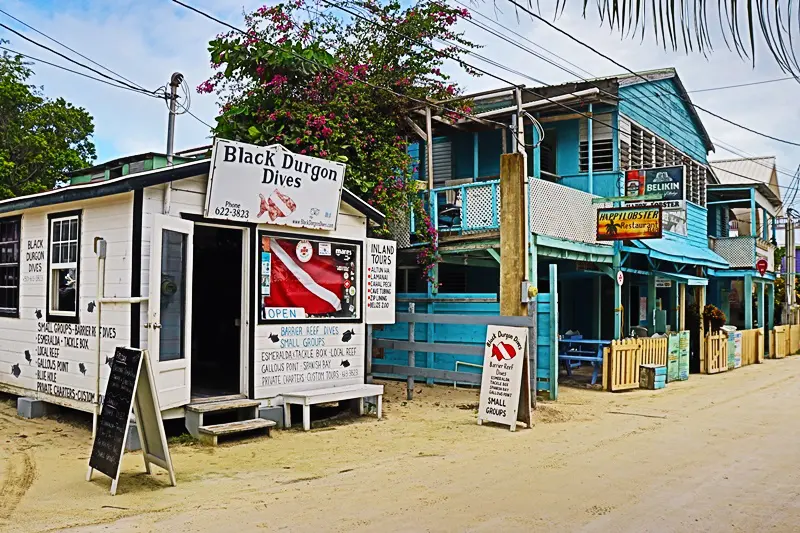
point(28, 357)
point(15, 370)
point(82, 368)
point(345, 363)
point(91, 307)
point(348, 335)
point(39, 314)
point(274, 337)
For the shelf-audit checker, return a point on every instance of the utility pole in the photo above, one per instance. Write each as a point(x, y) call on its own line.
point(174, 82)
point(790, 268)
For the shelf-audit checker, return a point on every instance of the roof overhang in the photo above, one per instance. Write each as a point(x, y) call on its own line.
point(740, 192)
point(140, 180)
point(692, 281)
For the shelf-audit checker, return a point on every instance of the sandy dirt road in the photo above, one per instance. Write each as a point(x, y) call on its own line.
point(716, 453)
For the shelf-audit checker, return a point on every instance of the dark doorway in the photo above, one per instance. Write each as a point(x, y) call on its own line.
point(216, 311)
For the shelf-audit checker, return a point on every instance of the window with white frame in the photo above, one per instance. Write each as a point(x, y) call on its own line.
point(602, 144)
point(64, 246)
point(10, 229)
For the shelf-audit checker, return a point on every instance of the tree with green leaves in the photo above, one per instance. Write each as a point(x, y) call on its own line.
point(40, 138)
point(303, 77)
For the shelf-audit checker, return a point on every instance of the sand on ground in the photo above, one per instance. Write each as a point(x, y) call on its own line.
point(715, 453)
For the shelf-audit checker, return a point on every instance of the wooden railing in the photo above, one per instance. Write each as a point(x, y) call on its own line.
point(779, 345)
point(794, 339)
point(716, 352)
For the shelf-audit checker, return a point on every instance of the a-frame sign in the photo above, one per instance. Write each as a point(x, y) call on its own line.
point(131, 388)
point(506, 380)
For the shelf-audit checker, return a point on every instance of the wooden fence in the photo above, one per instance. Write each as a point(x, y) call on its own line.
point(794, 339)
point(623, 365)
point(779, 342)
point(716, 352)
point(752, 346)
point(654, 351)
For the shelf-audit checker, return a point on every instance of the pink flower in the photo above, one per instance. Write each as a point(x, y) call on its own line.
point(205, 87)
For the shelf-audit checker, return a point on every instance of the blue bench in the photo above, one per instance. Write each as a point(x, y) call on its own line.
point(576, 350)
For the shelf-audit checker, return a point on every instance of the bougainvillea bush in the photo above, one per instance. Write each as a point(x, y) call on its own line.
point(315, 80)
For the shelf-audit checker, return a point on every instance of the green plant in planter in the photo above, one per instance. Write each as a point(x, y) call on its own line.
point(713, 318)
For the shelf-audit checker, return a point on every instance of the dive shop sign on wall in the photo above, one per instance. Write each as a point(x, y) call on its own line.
point(505, 383)
point(271, 185)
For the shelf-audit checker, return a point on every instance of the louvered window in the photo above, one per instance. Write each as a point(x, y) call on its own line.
point(602, 144)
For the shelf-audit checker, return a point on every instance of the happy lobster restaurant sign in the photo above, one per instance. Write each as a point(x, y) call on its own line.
point(505, 384)
point(271, 185)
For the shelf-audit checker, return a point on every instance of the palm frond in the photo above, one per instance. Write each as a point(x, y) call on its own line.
point(685, 24)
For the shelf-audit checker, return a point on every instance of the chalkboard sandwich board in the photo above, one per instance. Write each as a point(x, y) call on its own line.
point(130, 389)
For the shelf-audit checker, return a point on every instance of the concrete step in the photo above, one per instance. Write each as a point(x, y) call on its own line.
point(210, 434)
point(222, 405)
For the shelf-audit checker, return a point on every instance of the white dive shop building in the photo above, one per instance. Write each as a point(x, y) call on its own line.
point(243, 275)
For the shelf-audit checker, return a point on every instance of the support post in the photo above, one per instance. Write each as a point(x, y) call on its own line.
point(475, 162)
point(651, 303)
point(768, 331)
point(617, 293)
point(512, 234)
point(411, 354)
point(761, 310)
point(774, 229)
point(590, 135)
point(682, 307)
point(747, 300)
point(429, 149)
point(753, 217)
point(764, 224)
point(701, 350)
point(597, 327)
point(676, 304)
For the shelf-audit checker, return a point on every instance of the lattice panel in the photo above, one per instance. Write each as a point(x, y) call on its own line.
point(479, 207)
point(400, 228)
point(562, 212)
point(738, 251)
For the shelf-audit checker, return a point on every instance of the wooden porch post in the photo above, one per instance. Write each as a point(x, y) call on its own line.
point(682, 307)
point(747, 298)
point(429, 148)
point(701, 351)
point(651, 302)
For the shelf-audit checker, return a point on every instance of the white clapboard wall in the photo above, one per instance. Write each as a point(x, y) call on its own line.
point(188, 197)
point(67, 376)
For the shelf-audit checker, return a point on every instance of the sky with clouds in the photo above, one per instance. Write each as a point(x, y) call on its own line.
point(147, 40)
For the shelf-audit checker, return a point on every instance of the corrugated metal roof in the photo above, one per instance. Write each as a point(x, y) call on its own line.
point(678, 250)
point(747, 171)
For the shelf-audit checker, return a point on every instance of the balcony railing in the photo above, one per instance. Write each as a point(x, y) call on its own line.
point(474, 208)
point(744, 251)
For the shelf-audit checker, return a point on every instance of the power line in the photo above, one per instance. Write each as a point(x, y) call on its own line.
point(352, 78)
point(630, 100)
point(37, 60)
point(601, 54)
point(70, 49)
point(131, 86)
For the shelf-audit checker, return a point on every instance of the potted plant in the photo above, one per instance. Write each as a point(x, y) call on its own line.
point(713, 318)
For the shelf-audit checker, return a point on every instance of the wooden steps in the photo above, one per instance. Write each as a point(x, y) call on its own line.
point(223, 405)
point(210, 434)
point(241, 415)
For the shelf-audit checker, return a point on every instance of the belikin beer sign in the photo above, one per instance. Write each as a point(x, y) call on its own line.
point(623, 223)
point(666, 181)
point(271, 185)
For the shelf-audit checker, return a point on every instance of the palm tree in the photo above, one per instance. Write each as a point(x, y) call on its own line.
point(688, 25)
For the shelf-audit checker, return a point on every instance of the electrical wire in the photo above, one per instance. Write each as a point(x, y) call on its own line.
point(9, 15)
point(23, 36)
point(605, 56)
point(593, 82)
point(42, 61)
point(352, 78)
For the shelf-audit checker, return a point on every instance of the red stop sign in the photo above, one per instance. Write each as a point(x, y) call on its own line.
point(761, 266)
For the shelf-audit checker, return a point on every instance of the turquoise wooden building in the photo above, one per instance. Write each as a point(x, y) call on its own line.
point(585, 137)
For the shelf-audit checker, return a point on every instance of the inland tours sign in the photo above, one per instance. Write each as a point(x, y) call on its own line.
point(622, 223)
point(271, 185)
point(505, 383)
point(381, 289)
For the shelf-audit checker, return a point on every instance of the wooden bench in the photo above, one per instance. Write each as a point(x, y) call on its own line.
point(330, 395)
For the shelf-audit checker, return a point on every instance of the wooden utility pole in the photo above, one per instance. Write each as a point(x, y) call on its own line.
point(513, 250)
point(513, 245)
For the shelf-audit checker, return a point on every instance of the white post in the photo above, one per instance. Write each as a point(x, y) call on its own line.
point(100, 250)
